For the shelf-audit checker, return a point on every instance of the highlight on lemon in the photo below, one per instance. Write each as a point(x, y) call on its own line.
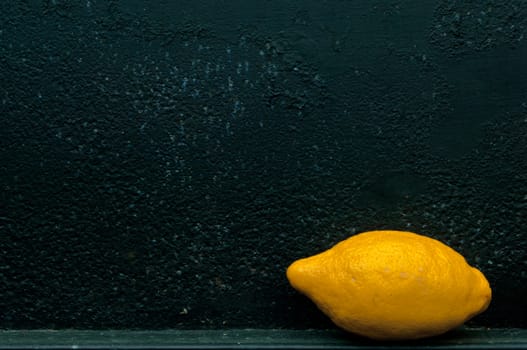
point(392, 285)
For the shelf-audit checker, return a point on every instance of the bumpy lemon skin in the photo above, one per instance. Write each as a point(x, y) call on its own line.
point(392, 285)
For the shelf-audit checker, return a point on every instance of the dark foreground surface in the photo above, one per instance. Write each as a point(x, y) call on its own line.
point(466, 338)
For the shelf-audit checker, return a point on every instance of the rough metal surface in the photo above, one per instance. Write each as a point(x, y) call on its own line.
point(160, 166)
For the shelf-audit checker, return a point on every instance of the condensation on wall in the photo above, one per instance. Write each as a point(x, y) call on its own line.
point(162, 164)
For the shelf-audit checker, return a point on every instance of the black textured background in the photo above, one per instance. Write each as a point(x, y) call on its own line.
point(162, 162)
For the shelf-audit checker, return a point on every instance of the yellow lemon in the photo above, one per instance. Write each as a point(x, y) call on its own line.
point(391, 285)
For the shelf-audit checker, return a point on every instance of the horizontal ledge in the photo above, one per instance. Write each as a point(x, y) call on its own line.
point(463, 338)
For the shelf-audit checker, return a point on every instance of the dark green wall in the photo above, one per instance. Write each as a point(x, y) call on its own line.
point(162, 162)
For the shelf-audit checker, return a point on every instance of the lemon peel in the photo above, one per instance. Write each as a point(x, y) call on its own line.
point(392, 285)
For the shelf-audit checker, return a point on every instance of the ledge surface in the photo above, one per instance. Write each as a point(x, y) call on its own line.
point(466, 338)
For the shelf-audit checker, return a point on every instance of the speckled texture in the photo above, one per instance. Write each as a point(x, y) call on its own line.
point(161, 166)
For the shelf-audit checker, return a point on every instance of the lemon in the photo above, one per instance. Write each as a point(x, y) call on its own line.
point(391, 285)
